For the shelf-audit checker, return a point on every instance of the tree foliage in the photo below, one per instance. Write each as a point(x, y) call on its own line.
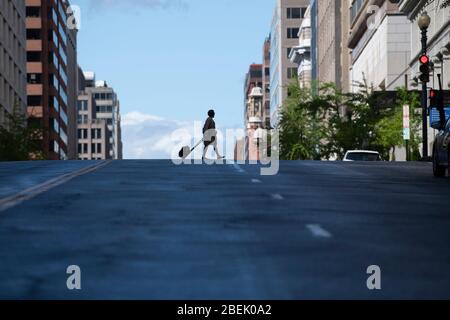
point(327, 123)
point(20, 139)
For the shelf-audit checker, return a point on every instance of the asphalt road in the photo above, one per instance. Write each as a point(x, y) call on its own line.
point(153, 230)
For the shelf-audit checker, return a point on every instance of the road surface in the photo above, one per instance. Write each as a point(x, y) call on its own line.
point(154, 230)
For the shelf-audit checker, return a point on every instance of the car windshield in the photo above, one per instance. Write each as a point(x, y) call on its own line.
point(363, 156)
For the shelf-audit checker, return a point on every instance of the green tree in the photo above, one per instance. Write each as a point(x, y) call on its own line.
point(389, 131)
point(390, 128)
point(327, 123)
point(20, 138)
point(300, 126)
point(354, 120)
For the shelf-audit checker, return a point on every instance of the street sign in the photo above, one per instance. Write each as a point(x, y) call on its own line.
point(434, 115)
point(406, 134)
point(406, 123)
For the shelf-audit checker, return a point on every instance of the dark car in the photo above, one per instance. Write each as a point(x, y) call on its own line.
point(441, 152)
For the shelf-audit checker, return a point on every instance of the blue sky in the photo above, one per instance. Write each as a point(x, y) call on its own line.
point(172, 59)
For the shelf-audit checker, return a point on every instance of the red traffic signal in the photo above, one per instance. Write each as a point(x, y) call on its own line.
point(433, 94)
point(424, 68)
point(424, 59)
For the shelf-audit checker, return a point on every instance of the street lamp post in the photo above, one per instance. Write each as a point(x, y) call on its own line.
point(424, 23)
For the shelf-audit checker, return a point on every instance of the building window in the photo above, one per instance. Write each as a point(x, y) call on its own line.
point(82, 105)
point(288, 52)
point(82, 119)
point(82, 133)
point(34, 101)
point(34, 78)
point(292, 33)
point(33, 34)
point(295, 13)
point(34, 56)
point(33, 12)
point(355, 9)
point(291, 73)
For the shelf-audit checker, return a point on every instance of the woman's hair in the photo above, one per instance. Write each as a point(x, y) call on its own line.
point(211, 113)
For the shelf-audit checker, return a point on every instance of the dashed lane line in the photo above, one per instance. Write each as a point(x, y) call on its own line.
point(318, 231)
point(277, 196)
point(238, 168)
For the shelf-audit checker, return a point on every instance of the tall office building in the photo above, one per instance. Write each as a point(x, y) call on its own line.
point(345, 52)
point(330, 55)
point(98, 105)
point(266, 83)
point(287, 18)
point(51, 74)
point(329, 41)
point(313, 14)
point(93, 135)
point(380, 39)
point(301, 54)
point(13, 73)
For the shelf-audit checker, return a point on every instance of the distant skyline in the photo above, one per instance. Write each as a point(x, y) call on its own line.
point(173, 60)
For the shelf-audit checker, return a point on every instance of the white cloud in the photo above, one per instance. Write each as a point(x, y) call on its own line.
point(147, 136)
point(135, 118)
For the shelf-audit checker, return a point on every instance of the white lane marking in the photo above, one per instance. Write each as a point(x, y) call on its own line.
point(30, 193)
point(238, 168)
point(318, 231)
point(256, 181)
point(277, 196)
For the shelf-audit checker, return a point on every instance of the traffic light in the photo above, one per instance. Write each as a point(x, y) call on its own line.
point(424, 68)
point(434, 98)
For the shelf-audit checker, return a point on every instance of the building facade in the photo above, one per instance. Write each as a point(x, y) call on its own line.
point(255, 123)
point(438, 39)
point(330, 55)
point(329, 41)
point(266, 83)
point(380, 39)
point(301, 54)
point(93, 135)
point(99, 112)
point(13, 74)
point(51, 74)
point(253, 78)
point(287, 18)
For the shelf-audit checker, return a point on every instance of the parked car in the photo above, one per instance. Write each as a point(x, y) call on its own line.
point(441, 152)
point(362, 155)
